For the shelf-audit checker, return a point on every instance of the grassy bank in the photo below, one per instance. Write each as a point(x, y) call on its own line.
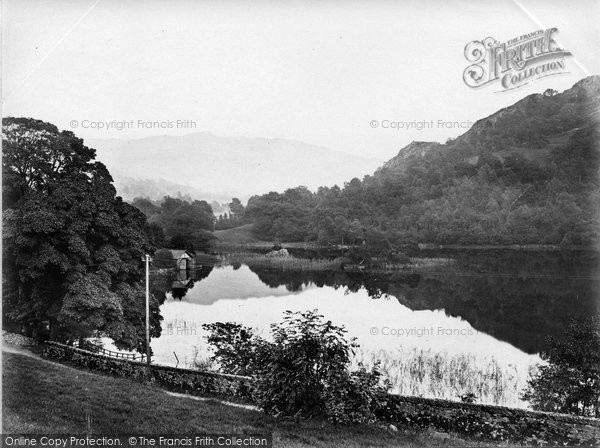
point(236, 235)
point(40, 396)
point(255, 260)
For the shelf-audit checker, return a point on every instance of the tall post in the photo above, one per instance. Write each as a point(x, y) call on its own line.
point(148, 311)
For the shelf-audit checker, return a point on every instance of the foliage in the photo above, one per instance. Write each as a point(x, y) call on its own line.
point(570, 382)
point(155, 234)
point(490, 423)
point(303, 371)
point(289, 264)
point(184, 225)
point(235, 218)
point(163, 258)
point(283, 217)
point(353, 397)
point(527, 177)
point(235, 346)
point(469, 397)
point(72, 248)
point(294, 371)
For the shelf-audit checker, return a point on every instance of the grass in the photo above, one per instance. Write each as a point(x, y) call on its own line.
point(422, 373)
point(413, 264)
point(424, 263)
point(236, 235)
point(44, 397)
point(256, 260)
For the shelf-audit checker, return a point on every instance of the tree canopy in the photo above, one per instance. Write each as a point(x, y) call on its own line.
point(184, 224)
point(72, 248)
point(463, 192)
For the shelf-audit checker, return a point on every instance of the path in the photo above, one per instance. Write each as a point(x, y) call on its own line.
point(17, 350)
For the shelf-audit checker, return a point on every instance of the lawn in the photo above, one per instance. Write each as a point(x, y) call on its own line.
point(237, 235)
point(40, 396)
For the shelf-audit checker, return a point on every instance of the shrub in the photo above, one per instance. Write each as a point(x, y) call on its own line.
point(570, 382)
point(468, 397)
point(303, 371)
point(295, 369)
point(354, 397)
point(234, 345)
point(163, 258)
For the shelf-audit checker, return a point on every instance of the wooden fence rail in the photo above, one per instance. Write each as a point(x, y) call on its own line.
point(95, 348)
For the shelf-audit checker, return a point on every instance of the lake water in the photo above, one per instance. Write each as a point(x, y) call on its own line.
point(476, 325)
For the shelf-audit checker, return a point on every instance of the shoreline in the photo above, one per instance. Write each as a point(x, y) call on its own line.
point(421, 246)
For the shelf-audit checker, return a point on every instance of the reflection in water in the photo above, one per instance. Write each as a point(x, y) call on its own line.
point(520, 298)
point(470, 327)
point(176, 282)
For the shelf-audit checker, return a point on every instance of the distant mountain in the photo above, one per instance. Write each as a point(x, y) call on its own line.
point(155, 189)
point(218, 168)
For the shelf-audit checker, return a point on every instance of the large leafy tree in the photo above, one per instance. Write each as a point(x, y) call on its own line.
point(72, 248)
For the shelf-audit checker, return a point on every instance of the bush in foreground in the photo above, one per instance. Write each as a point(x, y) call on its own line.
point(570, 382)
point(303, 371)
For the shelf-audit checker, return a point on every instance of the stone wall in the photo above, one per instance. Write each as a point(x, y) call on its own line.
point(478, 421)
point(488, 422)
point(192, 382)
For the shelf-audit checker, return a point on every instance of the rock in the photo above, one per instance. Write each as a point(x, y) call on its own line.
point(278, 253)
point(440, 435)
point(17, 339)
point(393, 428)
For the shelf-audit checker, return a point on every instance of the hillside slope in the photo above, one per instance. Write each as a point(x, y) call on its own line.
point(527, 174)
point(533, 128)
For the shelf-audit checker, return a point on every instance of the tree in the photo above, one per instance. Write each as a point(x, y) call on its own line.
point(236, 207)
point(570, 382)
point(187, 225)
point(146, 206)
point(155, 234)
point(72, 249)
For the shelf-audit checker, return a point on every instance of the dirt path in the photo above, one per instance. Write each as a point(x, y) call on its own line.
point(18, 350)
point(9, 348)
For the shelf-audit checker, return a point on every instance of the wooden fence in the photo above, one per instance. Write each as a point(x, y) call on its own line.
point(95, 348)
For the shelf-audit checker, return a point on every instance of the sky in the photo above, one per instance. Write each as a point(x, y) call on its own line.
point(317, 72)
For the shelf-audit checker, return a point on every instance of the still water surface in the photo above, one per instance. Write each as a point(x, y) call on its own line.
point(475, 326)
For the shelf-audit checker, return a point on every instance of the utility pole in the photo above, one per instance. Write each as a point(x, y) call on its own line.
point(148, 311)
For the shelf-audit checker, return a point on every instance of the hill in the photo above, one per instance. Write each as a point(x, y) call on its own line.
point(534, 129)
point(237, 235)
point(219, 168)
point(527, 174)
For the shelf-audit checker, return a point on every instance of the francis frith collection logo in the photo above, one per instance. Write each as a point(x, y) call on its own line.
point(514, 63)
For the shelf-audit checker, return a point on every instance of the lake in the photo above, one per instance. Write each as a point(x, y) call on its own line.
point(475, 325)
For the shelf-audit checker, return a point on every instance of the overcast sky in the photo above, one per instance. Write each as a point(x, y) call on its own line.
point(317, 72)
